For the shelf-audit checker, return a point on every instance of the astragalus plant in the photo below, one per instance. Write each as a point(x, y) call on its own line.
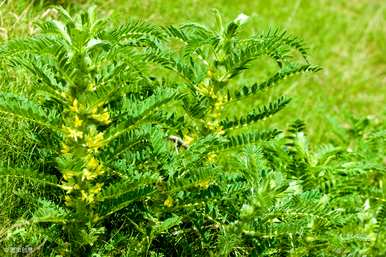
point(149, 155)
point(92, 91)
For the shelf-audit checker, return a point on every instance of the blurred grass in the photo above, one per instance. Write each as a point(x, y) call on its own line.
point(346, 38)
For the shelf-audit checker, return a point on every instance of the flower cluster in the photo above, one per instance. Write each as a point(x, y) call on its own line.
point(81, 145)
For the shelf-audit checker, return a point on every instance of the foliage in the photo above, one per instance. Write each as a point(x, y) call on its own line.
point(144, 159)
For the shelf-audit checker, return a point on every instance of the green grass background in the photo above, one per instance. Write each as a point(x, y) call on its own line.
point(346, 38)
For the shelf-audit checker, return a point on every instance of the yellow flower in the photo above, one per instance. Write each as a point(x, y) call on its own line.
point(204, 184)
point(96, 189)
point(67, 187)
point(206, 90)
point(210, 73)
point(78, 122)
point(99, 170)
point(88, 175)
point(92, 163)
point(95, 142)
point(67, 200)
point(212, 157)
point(68, 174)
point(219, 106)
point(212, 125)
point(90, 195)
point(87, 197)
point(168, 202)
point(65, 149)
point(188, 140)
point(75, 107)
point(103, 118)
point(91, 87)
point(75, 134)
point(94, 110)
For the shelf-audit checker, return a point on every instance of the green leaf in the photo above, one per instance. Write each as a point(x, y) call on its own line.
point(28, 110)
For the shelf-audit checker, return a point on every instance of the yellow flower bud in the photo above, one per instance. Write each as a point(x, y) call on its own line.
point(75, 134)
point(87, 197)
point(188, 140)
point(67, 187)
point(95, 142)
point(91, 87)
point(67, 200)
point(103, 118)
point(96, 189)
point(78, 122)
point(88, 175)
point(94, 110)
point(168, 202)
point(211, 157)
point(99, 170)
point(65, 149)
point(68, 174)
point(204, 184)
point(92, 163)
point(210, 73)
point(75, 107)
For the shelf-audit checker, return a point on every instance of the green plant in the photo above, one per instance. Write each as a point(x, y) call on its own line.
point(209, 63)
point(92, 94)
point(147, 161)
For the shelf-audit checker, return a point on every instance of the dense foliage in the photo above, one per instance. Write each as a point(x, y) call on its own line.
point(140, 151)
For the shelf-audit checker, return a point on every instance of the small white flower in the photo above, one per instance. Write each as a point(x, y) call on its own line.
point(241, 19)
point(93, 42)
point(366, 205)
